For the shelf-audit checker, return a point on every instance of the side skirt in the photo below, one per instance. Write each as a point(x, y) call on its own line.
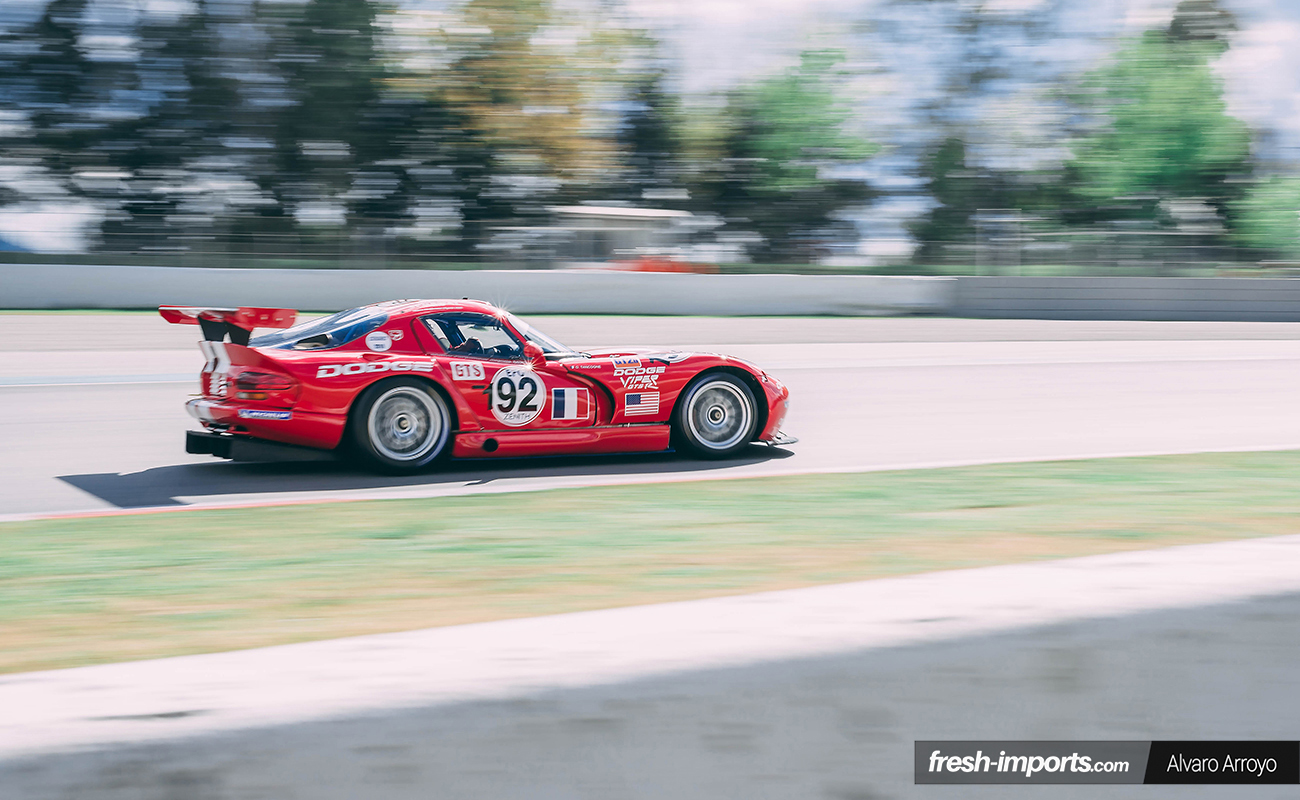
point(579, 441)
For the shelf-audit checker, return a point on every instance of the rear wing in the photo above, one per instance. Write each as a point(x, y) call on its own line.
point(238, 323)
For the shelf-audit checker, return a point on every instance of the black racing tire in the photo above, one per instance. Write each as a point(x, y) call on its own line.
point(716, 416)
point(401, 425)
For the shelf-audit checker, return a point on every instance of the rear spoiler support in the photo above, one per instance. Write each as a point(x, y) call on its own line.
point(237, 323)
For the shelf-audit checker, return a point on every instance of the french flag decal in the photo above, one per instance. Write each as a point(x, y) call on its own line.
point(570, 404)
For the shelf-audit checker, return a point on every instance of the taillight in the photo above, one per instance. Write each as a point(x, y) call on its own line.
point(256, 385)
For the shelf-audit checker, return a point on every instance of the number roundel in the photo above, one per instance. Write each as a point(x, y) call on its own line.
point(517, 396)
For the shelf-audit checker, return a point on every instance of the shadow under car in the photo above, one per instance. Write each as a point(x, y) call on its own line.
point(162, 486)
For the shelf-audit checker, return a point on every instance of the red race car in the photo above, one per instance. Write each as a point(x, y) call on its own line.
point(407, 383)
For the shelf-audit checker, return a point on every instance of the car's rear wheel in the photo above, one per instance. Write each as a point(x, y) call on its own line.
point(716, 416)
point(401, 425)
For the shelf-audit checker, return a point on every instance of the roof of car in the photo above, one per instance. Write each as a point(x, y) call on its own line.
point(432, 306)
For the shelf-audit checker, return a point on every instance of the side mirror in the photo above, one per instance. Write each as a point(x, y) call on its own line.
point(533, 353)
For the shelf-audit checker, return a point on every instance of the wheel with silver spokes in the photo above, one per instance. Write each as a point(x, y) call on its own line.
point(716, 416)
point(402, 425)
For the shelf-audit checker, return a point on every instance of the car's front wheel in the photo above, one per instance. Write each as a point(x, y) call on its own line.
point(716, 416)
point(401, 425)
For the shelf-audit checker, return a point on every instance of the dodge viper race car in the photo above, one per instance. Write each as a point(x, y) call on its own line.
point(407, 383)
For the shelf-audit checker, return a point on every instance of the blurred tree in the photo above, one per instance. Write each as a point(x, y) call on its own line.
point(56, 75)
point(652, 144)
point(1160, 130)
point(78, 87)
point(785, 138)
point(1202, 21)
point(324, 141)
point(537, 108)
point(959, 192)
point(1268, 217)
point(962, 190)
point(44, 95)
point(188, 105)
point(524, 79)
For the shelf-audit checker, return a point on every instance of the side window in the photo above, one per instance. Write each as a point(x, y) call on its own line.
point(474, 336)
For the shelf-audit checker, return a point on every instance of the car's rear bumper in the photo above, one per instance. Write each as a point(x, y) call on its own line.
point(249, 448)
point(287, 426)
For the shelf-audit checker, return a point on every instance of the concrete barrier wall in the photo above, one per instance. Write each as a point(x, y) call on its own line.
point(613, 292)
point(1208, 299)
point(524, 291)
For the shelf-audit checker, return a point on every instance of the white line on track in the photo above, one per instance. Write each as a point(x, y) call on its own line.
point(28, 381)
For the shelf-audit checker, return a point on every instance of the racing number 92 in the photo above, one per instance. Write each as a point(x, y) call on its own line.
point(517, 396)
point(507, 393)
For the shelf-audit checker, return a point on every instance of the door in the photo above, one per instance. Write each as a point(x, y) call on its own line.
point(485, 360)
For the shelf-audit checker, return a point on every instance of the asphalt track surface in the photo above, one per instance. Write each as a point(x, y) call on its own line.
point(92, 406)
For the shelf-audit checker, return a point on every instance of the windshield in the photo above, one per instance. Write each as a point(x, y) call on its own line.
point(549, 346)
point(321, 334)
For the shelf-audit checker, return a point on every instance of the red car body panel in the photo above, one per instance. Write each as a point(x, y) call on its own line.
point(614, 401)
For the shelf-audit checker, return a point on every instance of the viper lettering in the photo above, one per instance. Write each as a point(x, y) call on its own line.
point(641, 382)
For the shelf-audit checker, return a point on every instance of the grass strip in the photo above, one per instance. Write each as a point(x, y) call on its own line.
point(83, 591)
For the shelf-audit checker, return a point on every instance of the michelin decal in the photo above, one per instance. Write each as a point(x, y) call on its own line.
point(253, 413)
point(379, 341)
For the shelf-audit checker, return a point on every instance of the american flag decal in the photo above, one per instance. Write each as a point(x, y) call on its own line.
point(570, 404)
point(641, 403)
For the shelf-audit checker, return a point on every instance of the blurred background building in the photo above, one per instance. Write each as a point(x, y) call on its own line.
point(995, 137)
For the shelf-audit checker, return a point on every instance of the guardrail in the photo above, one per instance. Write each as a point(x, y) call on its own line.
point(582, 291)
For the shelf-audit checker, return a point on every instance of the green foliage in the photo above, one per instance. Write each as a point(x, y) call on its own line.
point(1153, 130)
point(1161, 131)
point(1268, 217)
point(794, 125)
point(784, 134)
